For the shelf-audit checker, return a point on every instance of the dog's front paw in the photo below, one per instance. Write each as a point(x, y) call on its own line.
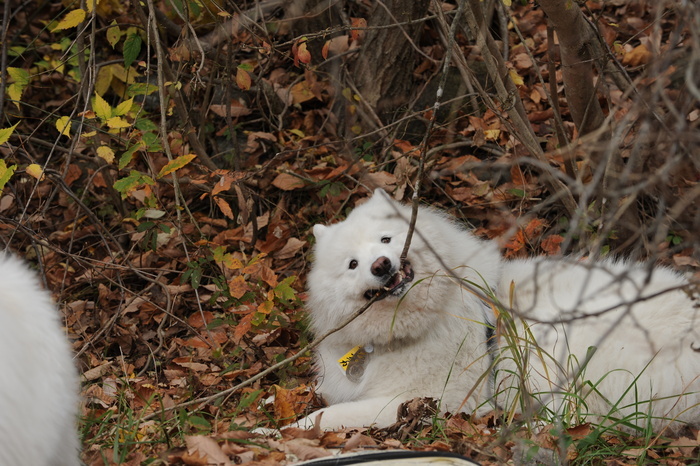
point(267, 432)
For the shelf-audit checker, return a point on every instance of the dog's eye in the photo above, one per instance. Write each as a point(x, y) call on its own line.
point(386, 239)
point(353, 264)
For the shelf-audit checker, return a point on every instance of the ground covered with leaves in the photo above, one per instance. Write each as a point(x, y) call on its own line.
point(166, 192)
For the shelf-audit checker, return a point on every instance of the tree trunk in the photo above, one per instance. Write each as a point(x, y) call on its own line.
point(575, 38)
point(383, 71)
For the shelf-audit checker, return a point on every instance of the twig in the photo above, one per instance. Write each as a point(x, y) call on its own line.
point(270, 369)
point(428, 131)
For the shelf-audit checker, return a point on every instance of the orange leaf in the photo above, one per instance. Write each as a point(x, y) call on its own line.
point(552, 244)
point(225, 207)
point(238, 287)
point(515, 244)
point(266, 307)
point(289, 403)
point(534, 227)
point(357, 23)
point(639, 55)
point(243, 79)
point(304, 54)
point(242, 328)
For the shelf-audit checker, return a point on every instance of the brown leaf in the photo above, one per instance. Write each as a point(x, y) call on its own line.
point(205, 448)
point(288, 182)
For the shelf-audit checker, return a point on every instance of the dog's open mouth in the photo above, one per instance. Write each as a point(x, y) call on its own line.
point(395, 285)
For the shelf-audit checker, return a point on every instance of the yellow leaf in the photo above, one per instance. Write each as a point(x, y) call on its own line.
point(90, 5)
point(71, 20)
point(63, 125)
point(14, 92)
point(515, 77)
point(5, 133)
point(492, 134)
point(176, 164)
point(113, 34)
point(124, 107)
point(105, 153)
point(5, 173)
point(101, 108)
point(118, 122)
point(35, 171)
point(301, 92)
point(232, 263)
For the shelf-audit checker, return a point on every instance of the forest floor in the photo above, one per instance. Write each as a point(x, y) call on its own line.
point(181, 283)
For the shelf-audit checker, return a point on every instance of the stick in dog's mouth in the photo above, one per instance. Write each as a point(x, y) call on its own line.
point(395, 285)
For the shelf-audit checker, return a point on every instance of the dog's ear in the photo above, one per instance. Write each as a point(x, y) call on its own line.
point(319, 230)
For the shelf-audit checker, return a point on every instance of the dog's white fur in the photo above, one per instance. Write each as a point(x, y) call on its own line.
point(38, 381)
point(429, 338)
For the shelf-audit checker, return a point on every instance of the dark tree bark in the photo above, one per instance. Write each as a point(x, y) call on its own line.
point(383, 71)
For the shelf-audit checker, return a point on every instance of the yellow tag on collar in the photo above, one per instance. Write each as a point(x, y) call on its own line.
point(345, 360)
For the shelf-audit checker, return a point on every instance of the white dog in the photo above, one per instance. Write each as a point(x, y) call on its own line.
point(38, 381)
point(434, 332)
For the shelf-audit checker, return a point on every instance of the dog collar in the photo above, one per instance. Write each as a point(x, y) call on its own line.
point(354, 362)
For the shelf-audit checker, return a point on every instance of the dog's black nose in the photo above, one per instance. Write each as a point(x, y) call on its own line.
point(381, 267)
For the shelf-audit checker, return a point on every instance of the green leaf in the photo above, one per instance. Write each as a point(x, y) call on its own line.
point(6, 173)
point(141, 89)
point(517, 192)
point(132, 48)
point(151, 142)
point(176, 164)
point(5, 133)
point(128, 155)
point(284, 291)
point(132, 182)
point(145, 124)
point(199, 421)
point(18, 75)
point(145, 226)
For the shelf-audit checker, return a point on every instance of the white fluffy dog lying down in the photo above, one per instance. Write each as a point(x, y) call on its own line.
point(612, 340)
point(38, 382)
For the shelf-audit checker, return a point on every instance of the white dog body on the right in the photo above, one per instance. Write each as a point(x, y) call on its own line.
point(642, 324)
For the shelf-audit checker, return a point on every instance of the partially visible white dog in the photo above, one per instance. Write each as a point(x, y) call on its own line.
point(431, 336)
point(38, 381)
point(609, 339)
